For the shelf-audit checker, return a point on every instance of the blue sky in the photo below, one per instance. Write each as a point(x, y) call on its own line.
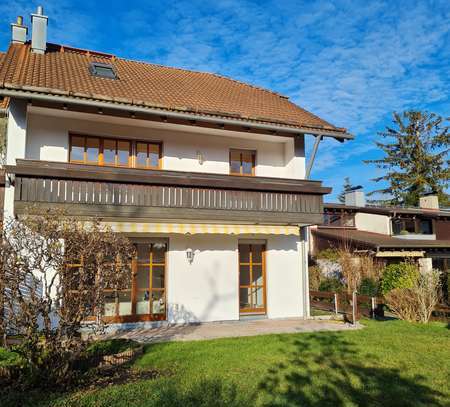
point(350, 62)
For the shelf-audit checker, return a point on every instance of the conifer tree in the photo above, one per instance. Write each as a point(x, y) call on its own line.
point(416, 157)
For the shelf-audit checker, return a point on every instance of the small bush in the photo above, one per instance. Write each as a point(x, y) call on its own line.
point(400, 275)
point(12, 369)
point(331, 284)
point(416, 303)
point(11, 359)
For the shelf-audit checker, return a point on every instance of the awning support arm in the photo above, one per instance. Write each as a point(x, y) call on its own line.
point(313, 156)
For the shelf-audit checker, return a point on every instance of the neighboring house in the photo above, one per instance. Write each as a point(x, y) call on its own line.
point(391, 234)
point(205, 174)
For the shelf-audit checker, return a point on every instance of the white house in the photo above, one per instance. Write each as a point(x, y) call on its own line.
point(390, 233)
point(204, 173)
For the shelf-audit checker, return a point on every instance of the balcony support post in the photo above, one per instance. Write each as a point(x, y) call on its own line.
point(313, 156)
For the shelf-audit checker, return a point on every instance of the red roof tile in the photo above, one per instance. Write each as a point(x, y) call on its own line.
point(65, 71)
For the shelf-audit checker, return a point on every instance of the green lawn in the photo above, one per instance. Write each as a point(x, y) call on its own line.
point(389, 363)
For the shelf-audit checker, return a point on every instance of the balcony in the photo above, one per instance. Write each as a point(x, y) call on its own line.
point(112, 193)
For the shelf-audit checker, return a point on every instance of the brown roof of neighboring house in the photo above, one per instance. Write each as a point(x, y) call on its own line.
point(377, 240)
point(64, 71)
point(389, 210)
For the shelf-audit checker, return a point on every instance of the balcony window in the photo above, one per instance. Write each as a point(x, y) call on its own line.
point(123, 153)
point(406, 226)
point(114, 152)
point(242, 162)
point(147, 155)
point(339, 219)
point(92, 150)
point(403, 226)
point(77, 149)
point(426, 227)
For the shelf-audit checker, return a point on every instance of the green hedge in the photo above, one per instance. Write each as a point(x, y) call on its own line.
point(11, 359)
point(399, 275)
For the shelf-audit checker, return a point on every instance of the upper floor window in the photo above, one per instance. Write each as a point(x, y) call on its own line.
point(339, 219)
point(426, 227)
point(114, 152)
point(242, 162)
point(404, 226)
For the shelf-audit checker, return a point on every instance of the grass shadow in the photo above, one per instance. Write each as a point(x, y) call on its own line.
point(329, 370)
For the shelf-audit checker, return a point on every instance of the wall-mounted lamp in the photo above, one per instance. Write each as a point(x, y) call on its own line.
point(200, 157)
point(189, 255)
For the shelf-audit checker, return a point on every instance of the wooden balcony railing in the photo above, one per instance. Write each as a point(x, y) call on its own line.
point(140, 198)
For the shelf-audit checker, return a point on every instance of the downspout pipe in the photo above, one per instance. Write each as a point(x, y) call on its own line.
point(305, 271)
point(342, 136)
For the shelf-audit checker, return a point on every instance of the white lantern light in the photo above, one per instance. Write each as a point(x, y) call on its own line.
point(200, 157)
point(189, 255)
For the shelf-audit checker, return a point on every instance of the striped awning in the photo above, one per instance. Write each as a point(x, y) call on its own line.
point(197, 228)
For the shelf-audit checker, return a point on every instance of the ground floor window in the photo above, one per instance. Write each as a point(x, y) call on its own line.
point(144, 295)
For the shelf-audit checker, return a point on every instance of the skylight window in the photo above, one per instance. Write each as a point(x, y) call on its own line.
point(102, 70)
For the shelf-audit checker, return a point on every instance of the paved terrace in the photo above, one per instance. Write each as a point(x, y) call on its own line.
point(214, 330)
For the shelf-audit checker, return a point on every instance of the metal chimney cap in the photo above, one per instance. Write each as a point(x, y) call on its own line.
point(40, 11)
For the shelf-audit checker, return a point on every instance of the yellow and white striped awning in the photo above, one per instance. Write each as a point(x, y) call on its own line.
point(198, 228)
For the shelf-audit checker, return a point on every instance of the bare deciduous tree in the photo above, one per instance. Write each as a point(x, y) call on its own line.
point(54, 273)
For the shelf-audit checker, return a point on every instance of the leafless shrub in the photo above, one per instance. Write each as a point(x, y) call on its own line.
point(370, 267)
point(54, 273)
point(351, 269)
point(416, 304)
point(314, 277)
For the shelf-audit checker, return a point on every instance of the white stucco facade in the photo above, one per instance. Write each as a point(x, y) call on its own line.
point(48, 139)
point(374, 223)
point(207, 289)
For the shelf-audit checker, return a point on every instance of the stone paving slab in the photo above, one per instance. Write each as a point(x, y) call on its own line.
point(214, 330)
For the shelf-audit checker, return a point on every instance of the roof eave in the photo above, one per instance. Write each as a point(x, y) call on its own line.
point(339, 134)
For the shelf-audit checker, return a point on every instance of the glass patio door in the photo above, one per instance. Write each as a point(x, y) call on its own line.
point(252, 278)
point(149, 280)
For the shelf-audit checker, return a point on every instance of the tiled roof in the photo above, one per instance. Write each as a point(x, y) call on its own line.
point(377, 240)
point(3, 100)
point(65, 71)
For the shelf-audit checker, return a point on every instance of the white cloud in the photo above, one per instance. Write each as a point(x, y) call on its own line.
point(350, 62)
point(68, 23)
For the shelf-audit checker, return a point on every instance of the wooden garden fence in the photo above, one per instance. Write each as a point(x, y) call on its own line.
point(355, 305)
point(352, 306)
